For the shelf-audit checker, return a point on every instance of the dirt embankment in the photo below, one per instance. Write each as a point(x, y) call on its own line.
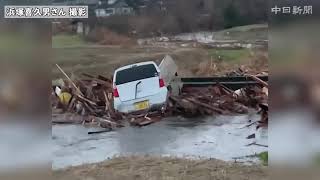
point(154, 168)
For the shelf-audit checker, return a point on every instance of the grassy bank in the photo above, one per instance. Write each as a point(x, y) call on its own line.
point(75, 55)
point(154, 168)
point(65, 40)
point(246, 33)
point(234, 56)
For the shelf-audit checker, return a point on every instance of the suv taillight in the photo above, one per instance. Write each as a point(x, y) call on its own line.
point(115, 92)
point(161, 83)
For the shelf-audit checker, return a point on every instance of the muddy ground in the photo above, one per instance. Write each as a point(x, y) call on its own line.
point(154, 168)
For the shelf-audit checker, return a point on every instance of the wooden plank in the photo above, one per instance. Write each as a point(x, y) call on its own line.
point(257, 79)
point(207, 106)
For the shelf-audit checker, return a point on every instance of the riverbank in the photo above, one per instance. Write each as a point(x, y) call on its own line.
point(149, 168)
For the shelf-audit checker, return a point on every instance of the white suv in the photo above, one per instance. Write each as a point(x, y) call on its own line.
point(138, 87)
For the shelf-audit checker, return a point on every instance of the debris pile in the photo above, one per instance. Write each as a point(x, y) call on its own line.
point(216, 100)
point(85, 100)
point(88, 99)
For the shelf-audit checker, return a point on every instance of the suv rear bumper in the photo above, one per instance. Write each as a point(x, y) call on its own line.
point(156, 102)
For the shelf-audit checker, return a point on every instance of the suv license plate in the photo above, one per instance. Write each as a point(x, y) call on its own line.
point(141, 105)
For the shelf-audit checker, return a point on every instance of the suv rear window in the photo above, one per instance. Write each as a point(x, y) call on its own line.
point(136, 73)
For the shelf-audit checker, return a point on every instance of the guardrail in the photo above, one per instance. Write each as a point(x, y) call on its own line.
point(234, 83)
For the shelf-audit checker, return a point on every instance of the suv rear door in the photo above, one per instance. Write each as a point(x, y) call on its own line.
point(137, 81)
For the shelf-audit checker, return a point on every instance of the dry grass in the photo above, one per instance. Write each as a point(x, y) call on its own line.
point(164, 168)
point(104, 36)
point(190, 61)
point(256, 63)
point(116, 50)
point(104, 60)
point(66, 40)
